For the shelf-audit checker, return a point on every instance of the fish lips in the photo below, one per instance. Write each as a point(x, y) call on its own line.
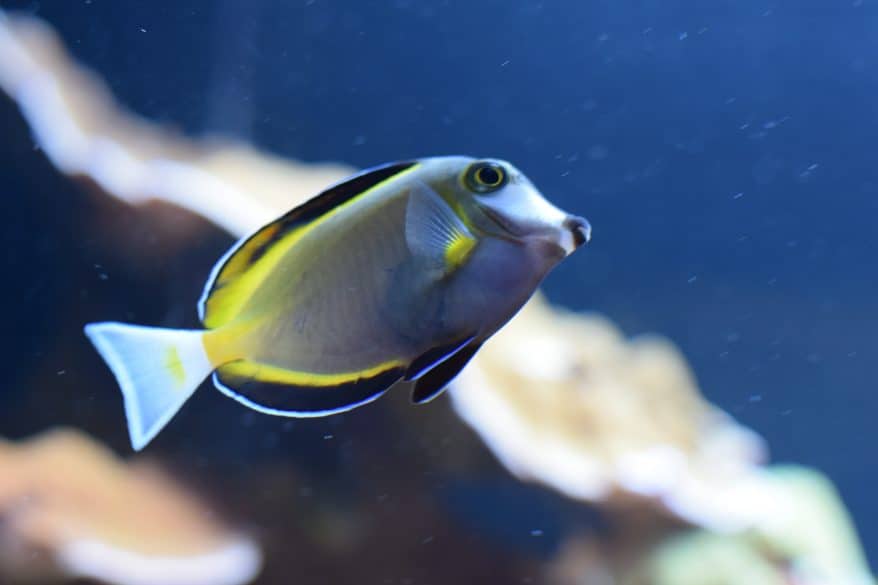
point(575, 231)
point(579, 228)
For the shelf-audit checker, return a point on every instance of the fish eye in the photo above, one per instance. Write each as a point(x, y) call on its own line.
point(485, 177)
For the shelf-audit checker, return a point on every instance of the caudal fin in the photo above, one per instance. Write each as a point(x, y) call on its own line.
point(157, 369)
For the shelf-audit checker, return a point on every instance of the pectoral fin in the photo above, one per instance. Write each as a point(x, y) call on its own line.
point(433, 230)
point(431, 384)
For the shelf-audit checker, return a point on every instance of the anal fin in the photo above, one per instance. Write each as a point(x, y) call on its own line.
point(431, 384)
point(280, 392)
point(432, 358)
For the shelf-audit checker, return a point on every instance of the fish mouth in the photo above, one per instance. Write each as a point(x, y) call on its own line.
point(579, 228)
point(504, 224)
point(573, 233)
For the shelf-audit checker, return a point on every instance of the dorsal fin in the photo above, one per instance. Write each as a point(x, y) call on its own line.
point(239, 272)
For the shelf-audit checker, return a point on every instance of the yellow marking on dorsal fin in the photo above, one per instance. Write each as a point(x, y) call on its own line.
point(246, 266)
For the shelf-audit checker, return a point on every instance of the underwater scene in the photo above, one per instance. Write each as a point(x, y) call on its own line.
point(439, 292)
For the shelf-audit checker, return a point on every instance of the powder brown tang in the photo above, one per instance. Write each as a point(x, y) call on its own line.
point(397, 275)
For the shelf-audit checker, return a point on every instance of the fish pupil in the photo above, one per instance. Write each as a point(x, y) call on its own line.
point(489, 176)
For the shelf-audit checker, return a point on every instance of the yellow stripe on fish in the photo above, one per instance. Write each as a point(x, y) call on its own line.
point(275, 375)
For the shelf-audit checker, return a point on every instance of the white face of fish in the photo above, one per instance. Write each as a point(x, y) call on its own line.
point(524, 209)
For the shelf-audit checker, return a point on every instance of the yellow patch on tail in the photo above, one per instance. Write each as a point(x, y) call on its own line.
point(175, 365)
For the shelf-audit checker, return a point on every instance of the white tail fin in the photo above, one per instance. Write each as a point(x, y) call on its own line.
point(157, 369)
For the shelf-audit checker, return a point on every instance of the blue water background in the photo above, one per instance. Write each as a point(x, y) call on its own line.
point(724, 151)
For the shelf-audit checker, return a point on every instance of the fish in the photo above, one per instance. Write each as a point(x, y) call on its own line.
point(393, 277)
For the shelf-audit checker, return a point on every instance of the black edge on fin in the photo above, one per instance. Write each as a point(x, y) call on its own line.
point(248, 251)
point(432, 358)
point(431, 384)
point(333, 197)
point(305, 401)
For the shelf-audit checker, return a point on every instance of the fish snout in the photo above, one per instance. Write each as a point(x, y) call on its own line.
point(580, 230)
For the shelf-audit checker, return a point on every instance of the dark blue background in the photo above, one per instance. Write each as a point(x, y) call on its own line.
point(724, 152)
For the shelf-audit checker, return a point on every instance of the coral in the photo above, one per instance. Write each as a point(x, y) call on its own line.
point(88, 514)
point(807, 539)
point(84, 132)
point(566, 400)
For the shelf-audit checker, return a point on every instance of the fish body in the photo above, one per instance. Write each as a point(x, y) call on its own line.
point(397, 275)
